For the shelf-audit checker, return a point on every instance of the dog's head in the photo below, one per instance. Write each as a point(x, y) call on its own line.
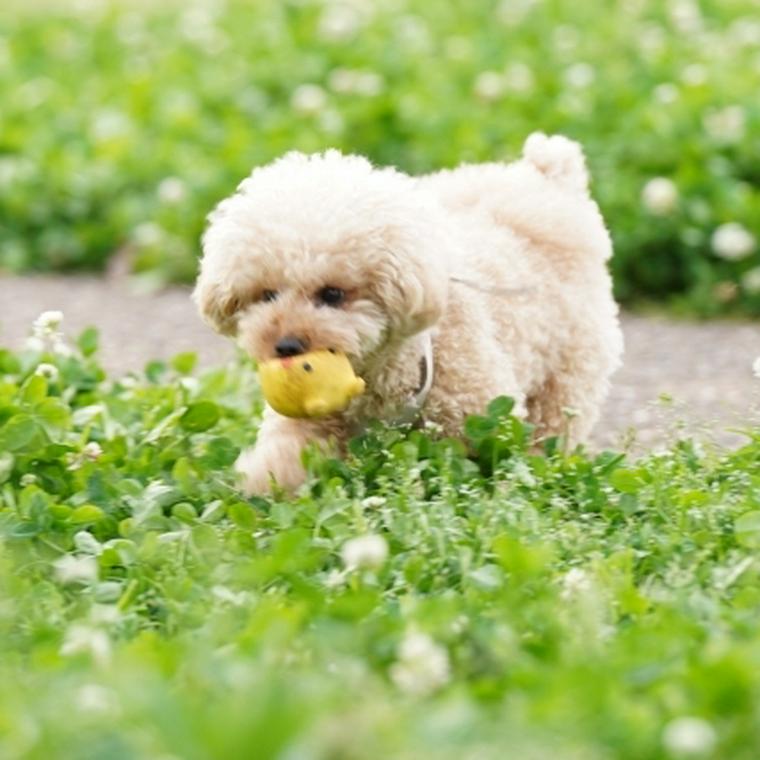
point(323, 251)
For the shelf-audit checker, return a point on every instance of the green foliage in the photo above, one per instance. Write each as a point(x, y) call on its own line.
point(421, 599)
point(127, 123)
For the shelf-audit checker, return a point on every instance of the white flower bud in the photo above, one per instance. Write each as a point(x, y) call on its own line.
point(308, 99)
point(751, 281)
point(660, 196)
point(70, 569)
point(49, 320)
point(580, 75)
point(84, 639)
point(489, 86)
point(48, 371)
point(365, 552)
point(689, 737)
point(422, 666)
point(373, 502)
point(171, 190)
point(92, 451)
point(732, 242)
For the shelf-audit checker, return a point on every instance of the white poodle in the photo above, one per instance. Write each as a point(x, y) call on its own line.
point(444, 291)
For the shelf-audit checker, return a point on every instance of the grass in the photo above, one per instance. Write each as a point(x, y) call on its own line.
point(508, 603)
point(124, 124)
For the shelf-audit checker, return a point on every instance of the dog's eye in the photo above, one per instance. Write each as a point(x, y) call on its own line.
point(331, 296)
point(268, 295)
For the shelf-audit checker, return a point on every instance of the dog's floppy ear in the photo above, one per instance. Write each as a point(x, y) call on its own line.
point(218, 304)
point(412, 293)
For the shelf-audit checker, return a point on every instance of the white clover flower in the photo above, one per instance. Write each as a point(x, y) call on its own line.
point(70, 569)
point(308, 99)
point(86, 543)
point(689, 736)
point(104, 614)
point(751, 281)
point(356, 81)
point(365, 552)
point(342, 80)
point(518, 77)
point(369, 84)
point(726, 125)
point(660, 196)
point(512, 12)
point(422, 666)
point(335, 579)
point(523, 474)
point(489, 86)
point(84, 639)
point(172, 190)
point(195, 23)
point(373, 502)
point(580, 75)
point(732, 242)
point(92, 451)
point(148, 234)
point(686, 16)
point(48, 371)
point(47, 324)
point(109, 124)
point(190, 384)
point(652, 39)
point(574, 583)
point(666, 93)
point(756, 368)
point(745, 31)
point(566, 38)
point(28, 479)
point(413, 32)
point(13, 170)
point(694, 74)
point(339, 22)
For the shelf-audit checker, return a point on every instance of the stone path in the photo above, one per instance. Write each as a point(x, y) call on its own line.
point(704, 368)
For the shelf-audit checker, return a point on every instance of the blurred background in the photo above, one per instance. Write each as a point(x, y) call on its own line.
point(123, 123)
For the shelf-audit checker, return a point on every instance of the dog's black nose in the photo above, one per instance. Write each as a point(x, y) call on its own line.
point(289, 346)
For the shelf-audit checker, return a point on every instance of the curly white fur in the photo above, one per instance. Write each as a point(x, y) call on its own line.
point(505, 263)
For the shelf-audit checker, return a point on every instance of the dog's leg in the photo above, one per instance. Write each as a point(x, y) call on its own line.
point(276, 456)
point(568, 403)
point(455, 395)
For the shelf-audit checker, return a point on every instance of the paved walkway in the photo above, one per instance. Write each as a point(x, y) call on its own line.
point(704, 368)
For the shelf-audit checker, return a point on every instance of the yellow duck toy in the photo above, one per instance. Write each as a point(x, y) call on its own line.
point(310, 385)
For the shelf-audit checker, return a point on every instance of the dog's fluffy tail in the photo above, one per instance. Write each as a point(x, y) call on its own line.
point(546, 199)
point(558, 158)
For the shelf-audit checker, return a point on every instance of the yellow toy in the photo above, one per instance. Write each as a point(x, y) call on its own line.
point(310, 385)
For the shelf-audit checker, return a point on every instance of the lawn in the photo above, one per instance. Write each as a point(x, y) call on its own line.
point(410, 602)
point(124, 123)
point(425, 598)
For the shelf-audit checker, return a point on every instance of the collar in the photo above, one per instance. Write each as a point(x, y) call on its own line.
point(411, 409)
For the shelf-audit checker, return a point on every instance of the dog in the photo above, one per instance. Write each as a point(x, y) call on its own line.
point(444, 291)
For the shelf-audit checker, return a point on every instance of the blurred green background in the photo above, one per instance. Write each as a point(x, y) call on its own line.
point(124, 123)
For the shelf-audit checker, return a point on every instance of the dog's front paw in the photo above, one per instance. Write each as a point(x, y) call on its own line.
point(268, 464)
